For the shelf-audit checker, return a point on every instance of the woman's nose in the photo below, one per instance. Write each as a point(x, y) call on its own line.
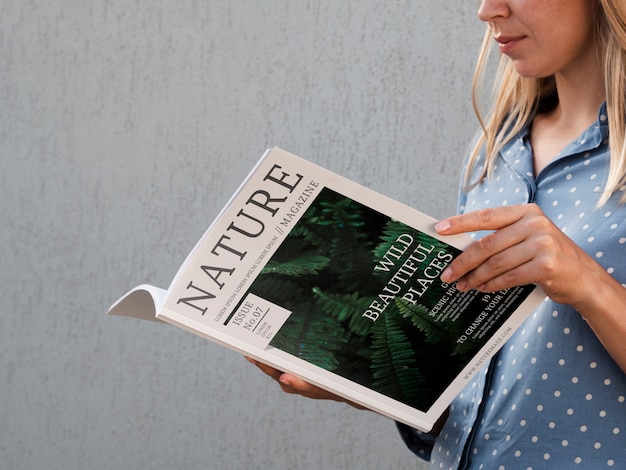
point(492, 9)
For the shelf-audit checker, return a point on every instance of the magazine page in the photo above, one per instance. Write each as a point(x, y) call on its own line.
point(143, 302)
point(319, 276)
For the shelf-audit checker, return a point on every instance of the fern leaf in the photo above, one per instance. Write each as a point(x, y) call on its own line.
point(346, 307)
point(394, 363)
point(298, 266)
point(434, 332)
point(312, 337)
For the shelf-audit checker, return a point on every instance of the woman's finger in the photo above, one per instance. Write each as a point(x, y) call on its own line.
point(292, 384)
point(486, 219)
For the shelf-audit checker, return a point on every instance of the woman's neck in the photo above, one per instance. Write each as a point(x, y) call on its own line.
point(579, 100)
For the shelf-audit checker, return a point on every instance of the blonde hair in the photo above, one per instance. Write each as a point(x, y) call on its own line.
point(516, 98)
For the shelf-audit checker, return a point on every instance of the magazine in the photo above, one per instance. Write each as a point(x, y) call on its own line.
point(314, 274)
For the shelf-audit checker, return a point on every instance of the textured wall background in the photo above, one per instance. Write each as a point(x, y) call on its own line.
point(124, 127)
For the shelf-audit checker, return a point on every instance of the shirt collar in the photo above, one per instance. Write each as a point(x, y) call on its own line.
point(588, 140)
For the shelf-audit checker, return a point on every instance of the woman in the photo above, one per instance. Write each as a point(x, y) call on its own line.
point(544, 195)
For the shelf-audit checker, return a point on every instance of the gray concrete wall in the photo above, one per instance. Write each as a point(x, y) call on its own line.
point(124, 127)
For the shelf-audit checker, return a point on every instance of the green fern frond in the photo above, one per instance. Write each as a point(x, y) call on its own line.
point(312, 337)
point(298, 266)
point(346, 307)
point(394, 363)
point(419, 316)
point(393, 229)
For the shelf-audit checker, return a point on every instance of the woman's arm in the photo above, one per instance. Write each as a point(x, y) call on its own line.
point(527, 248)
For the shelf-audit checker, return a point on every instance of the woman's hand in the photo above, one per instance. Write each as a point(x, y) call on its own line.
point(527, 248)
point(289, 383)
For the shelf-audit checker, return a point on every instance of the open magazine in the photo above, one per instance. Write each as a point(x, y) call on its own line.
point(314, 274)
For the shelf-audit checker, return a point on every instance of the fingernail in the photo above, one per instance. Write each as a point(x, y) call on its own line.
point(446, 275)
point(442, 226)
point(283, 380)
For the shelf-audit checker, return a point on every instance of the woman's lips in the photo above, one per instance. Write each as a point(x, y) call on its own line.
point(507, 43)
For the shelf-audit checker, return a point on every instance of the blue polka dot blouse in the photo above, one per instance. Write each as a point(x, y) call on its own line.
point(552, 397)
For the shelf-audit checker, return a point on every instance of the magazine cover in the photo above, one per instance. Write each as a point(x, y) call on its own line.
point(316, 275)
